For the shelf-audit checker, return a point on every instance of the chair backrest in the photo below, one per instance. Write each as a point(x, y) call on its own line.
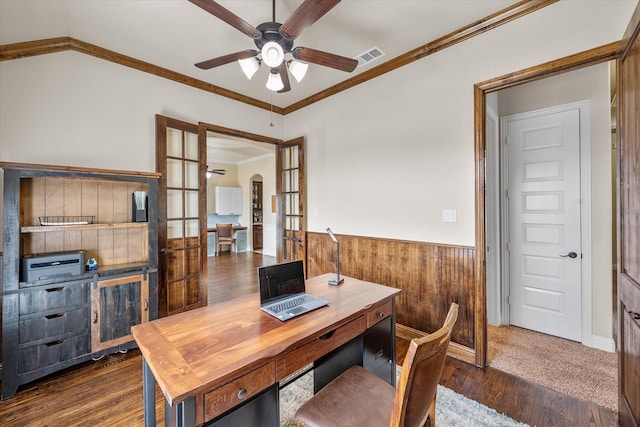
point(421, 373)
point(224, 230)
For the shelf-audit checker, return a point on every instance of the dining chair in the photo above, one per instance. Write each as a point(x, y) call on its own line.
point(359, 398)
point(224, 236)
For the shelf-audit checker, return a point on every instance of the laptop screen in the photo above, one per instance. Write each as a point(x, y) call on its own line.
point(280, 281)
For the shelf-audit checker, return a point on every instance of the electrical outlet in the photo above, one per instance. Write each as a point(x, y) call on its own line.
point(449, 215)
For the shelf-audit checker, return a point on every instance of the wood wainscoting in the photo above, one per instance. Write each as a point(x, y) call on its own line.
point(430, 275)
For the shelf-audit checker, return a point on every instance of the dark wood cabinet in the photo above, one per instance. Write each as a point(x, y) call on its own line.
point(53, 326)
point(116, 305)
point(52, 323)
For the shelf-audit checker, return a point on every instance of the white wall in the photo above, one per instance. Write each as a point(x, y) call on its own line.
point(386, 157)
point(592, 84)
point(72, 109)
point(266, 167)
point(383, 158)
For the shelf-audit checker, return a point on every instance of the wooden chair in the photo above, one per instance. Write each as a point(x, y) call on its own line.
point(225, 237)
point(359, 398)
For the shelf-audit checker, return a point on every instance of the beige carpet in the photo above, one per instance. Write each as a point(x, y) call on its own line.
point(563, 365)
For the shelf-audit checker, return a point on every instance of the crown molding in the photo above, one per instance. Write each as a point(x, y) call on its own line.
point(60, 44)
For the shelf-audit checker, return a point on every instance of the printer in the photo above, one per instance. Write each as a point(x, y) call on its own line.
point(52, 264)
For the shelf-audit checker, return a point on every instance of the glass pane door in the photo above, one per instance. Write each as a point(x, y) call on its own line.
point(290, 170)
point(180, 160)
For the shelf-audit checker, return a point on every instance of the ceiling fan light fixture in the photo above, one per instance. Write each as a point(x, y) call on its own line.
point(272, 54)
point(274, 82)
point(249, 66)
point(298, 69)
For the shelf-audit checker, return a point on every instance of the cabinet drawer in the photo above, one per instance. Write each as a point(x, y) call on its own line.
point(220, 400)
point(378, 313)
point(40, 356)
point(302, 356)
point(378, 346)
point(71, 322)
point(52, 298)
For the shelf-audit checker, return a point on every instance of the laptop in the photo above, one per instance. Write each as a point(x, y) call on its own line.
point(282, 291)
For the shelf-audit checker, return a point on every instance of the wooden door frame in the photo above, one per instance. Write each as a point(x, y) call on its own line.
point(577, 61)
point(203, 128)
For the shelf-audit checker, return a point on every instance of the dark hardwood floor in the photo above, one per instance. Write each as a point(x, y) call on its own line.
point(231, 275)
point(109, 392)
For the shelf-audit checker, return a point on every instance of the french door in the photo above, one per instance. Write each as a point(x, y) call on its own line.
point(180, 158)
point(290, 182)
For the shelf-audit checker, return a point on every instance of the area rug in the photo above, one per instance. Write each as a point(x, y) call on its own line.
point(452, 409)
point(559, 364)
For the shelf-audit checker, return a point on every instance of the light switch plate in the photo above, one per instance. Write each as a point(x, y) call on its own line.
point(448, 215)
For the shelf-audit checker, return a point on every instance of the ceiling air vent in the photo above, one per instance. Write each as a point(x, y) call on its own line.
point(369, 56)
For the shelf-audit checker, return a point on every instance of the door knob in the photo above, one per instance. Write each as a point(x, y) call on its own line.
point(570, 255)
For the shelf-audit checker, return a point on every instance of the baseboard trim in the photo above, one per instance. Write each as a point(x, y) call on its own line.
point(455, 350)
point(602, 343)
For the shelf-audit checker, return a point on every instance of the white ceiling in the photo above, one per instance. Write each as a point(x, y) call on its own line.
point(176, 34)
point(224, 149)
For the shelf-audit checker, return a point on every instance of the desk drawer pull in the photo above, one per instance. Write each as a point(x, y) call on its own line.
point(242, 393)
point(53, 316)
point(381, 314)
point(327, 335)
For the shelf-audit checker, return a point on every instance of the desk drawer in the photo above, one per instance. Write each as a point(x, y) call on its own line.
point(378, 313)
point(237, 391)
point(297, 359)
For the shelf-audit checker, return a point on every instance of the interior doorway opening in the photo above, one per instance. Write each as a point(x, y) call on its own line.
point(596, 84)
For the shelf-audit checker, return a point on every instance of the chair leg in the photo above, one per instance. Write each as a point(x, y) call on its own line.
point(432, 413)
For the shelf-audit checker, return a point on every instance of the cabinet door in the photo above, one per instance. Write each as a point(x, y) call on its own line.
point(228, 200)
point(117, 305)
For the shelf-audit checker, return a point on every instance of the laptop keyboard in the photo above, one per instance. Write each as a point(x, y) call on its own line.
point(286, 305)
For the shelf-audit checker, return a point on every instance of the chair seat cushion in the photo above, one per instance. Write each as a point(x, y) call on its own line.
point(355, 398)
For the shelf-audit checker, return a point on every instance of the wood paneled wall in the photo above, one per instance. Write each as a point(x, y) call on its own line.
point(108, 201)
point(430, 275)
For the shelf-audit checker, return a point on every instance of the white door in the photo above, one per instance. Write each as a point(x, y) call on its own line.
point(544, 250)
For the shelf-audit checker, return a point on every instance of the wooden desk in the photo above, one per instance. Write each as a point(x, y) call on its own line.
point(235, 228)
point(210, 360)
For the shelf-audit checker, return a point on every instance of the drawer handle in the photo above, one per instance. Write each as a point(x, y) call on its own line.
point(242, 393)
point(381, 314)
point(327, 335)
point(146, 304)
point(95, 316)
point(54, 289)
point(636, 316)
point(51, 344)
point(53, 316)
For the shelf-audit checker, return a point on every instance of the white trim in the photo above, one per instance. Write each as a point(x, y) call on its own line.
point(604, 344)
point(492, 219)
point(584, 108)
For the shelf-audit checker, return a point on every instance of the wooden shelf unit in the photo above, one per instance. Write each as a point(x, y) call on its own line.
point(51, 324)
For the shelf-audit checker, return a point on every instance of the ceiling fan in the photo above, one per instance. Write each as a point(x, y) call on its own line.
point(211, 172)
point(274, 41)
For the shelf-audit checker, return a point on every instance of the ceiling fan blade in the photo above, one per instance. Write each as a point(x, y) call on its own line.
point(319, 57)
point(305, 15)
point(229, 17)
point(221, 60)
point(284, 75)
